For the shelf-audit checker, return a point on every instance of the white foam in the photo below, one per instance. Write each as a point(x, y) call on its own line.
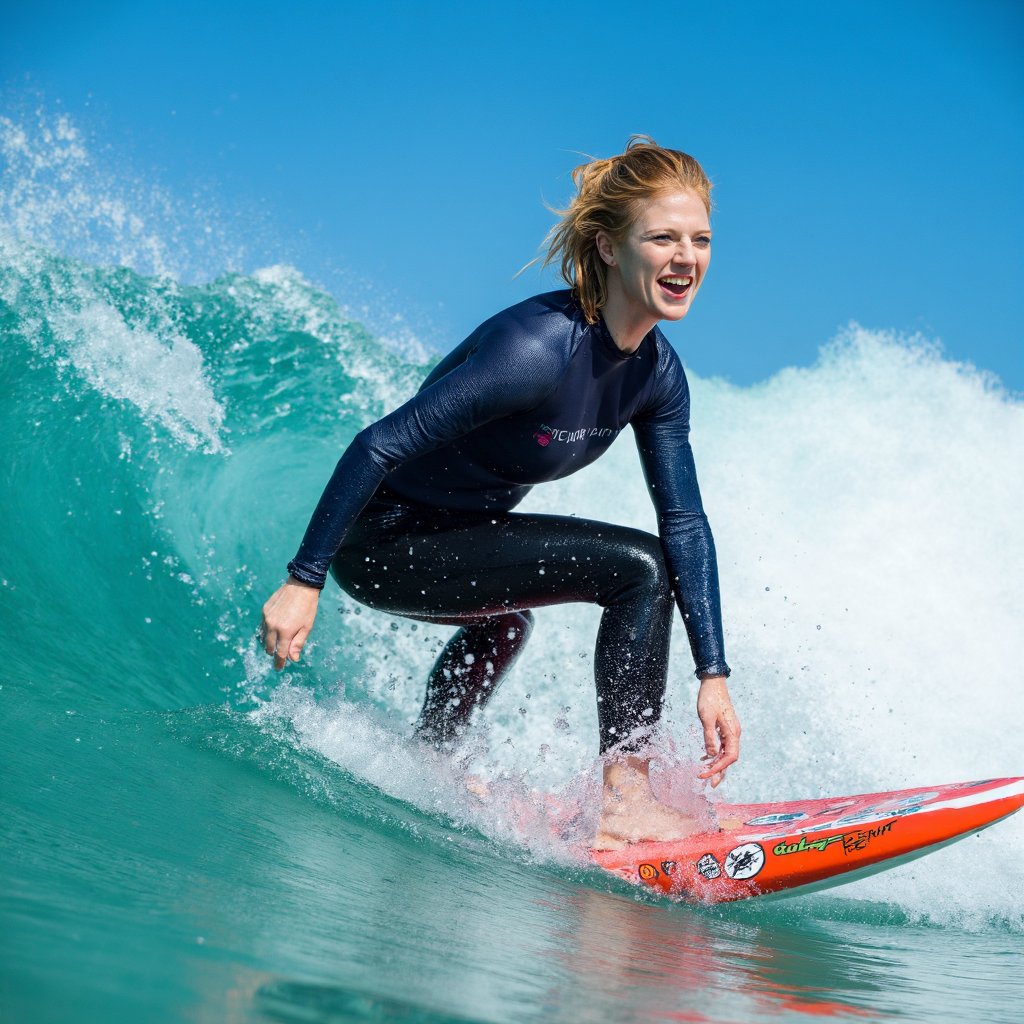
point(161, 374)
point(366, 745)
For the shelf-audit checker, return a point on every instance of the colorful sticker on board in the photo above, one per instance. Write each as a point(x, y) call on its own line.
point(834, 809)
point(876, 814)
point(668, 866)
point(853, 842)
point(911, 801)
point(648, 872)
point(783, 849)
point(812, 824)
point(744, 861)
point(862, 814)
point(860, 839)
point(777, 819)
point(709, 867)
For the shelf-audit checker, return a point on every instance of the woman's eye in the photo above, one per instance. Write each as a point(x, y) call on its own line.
point(703, 241)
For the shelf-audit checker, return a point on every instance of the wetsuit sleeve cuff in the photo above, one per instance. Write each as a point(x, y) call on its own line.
point(314, 579)
point(719, 668)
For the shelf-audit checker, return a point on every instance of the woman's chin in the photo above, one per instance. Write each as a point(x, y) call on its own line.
point(674, 313)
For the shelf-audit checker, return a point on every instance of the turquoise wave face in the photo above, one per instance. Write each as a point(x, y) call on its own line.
point(167, 442)
point(189, 835)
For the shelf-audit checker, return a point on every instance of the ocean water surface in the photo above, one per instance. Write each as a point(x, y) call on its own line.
point(187, 836)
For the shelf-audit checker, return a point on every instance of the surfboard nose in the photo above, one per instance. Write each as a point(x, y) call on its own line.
point(804, 845)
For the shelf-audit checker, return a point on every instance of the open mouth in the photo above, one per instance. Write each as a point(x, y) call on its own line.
point(676, 287)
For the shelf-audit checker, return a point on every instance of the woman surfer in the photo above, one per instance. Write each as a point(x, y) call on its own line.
point(416, 518)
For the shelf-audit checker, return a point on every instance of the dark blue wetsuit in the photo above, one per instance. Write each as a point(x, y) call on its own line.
point(416, 519)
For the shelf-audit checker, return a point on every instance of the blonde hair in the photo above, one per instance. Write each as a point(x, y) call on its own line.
point(609, 195)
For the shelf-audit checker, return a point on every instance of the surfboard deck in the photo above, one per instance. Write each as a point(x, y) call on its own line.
point(799, 846)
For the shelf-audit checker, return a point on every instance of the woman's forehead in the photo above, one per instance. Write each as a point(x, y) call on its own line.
point(676, 206)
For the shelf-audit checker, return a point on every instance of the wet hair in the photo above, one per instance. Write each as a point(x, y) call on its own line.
point(609, 197)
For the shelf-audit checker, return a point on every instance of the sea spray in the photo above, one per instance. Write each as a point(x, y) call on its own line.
point(56, 193)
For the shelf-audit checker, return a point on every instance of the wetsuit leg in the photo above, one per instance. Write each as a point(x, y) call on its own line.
point(472, 568)
point(468, 671)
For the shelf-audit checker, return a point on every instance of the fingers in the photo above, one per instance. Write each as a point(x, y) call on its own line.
point(721, 738)
point(287, 620)
point(715, 771)
point(283, 645)
point(280, 660)
point(283, 648)
point(294, 647)
point(274, 640)
point(730, 752)
point(728, 755)
point(270, 638)
point(711, 744)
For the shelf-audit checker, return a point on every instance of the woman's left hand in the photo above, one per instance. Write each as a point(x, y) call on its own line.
point(721, 728)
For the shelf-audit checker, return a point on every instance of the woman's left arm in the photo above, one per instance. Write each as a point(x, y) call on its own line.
point(662, 431)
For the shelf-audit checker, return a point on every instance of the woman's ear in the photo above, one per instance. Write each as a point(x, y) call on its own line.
point(604, 248)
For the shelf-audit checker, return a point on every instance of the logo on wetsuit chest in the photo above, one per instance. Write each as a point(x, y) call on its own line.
point(547, 434)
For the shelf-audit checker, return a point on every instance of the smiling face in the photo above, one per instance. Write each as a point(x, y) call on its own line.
point(654, 271)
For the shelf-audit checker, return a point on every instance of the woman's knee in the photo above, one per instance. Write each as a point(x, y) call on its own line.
point(644, 572)
point(509, 631)
point(522, 624)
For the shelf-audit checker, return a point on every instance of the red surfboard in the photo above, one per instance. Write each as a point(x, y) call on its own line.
point(803, 845)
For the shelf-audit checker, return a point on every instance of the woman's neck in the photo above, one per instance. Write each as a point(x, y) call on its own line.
point(627, 326)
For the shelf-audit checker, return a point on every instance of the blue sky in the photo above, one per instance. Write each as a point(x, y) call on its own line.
point(867, 156)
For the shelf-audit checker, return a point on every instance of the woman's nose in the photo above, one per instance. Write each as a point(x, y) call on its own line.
point(684, 251)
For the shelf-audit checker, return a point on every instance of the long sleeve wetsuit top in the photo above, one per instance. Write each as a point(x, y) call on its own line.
point(533, 394)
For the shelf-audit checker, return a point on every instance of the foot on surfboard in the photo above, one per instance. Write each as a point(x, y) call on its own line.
point(647, 820)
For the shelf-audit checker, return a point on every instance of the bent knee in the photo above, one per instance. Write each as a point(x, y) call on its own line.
point(519, 625)
point(647, 571)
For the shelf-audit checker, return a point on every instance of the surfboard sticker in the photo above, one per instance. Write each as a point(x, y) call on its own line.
point(745, 861)
point(777, 819)
point(852, 840)
point(708, 867)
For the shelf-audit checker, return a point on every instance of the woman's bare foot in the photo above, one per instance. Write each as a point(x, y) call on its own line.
point(630, 812)
point(478, 787)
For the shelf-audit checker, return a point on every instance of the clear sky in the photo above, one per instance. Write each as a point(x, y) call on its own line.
point(867, 156)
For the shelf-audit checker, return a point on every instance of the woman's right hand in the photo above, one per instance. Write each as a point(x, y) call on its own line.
point(288, 618)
